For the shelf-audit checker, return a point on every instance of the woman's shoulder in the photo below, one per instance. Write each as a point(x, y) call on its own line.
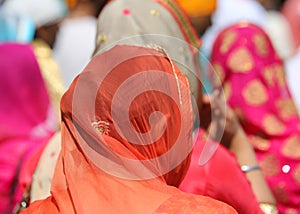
point(189, 203)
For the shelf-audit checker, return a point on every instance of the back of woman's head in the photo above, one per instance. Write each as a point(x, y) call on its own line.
point(137, 113)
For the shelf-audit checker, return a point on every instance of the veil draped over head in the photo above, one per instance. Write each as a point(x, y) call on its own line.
point(150, 22)
point(126, 137)
point(253, 77)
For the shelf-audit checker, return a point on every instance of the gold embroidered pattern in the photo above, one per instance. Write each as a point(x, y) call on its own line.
point(101, 126)
point(296, 174)
point(255, 93)
point(260, 44)
point(286, 108)
point(154, 12)
point(227, 41)
point(240, 61)
point(269, 74)
point(100, 39)
point(219, 71)
point(269, 165)
point(291, 147)
point(187, 29)
point(290, 211)
point(227, 90)
point(272, 125)
point(260, 143)
point(280, 75)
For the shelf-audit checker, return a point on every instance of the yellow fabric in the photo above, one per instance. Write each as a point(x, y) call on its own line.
point(198, 7)
point(50, 72)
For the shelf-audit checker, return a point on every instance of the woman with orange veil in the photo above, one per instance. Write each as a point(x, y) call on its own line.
point(126, 137)
point(174, 33)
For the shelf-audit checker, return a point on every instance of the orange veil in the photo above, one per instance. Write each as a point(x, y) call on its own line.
point(126, 137)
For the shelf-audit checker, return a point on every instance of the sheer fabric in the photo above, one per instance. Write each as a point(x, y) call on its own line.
point(114, 158)
point(148, 23)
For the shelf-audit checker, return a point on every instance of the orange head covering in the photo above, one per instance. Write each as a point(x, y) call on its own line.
point(126, 133)
point(71, 3)
point(198, 7)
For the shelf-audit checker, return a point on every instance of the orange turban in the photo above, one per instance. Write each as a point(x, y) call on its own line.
point(71, 3)
point(198, 7)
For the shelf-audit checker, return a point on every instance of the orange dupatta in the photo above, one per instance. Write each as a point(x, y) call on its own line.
point(102, 168)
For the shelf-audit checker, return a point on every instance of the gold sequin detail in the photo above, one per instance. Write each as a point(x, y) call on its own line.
point(296, 174)
point(181, 50)
point(219, 71)
point(260, 143)
point(227, 41)
point(154, 12)
point(286, 108)
point(241, 61)
point(272, 125)
point(101, 126)
point(260, 44)
point(291, 147)
point(101, 38)
point(269, 165)
point(255, 93)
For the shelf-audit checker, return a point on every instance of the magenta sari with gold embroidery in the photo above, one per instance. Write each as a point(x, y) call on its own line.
point(253, 79)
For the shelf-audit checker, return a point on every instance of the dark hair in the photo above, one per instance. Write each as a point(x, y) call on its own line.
point(100, 5)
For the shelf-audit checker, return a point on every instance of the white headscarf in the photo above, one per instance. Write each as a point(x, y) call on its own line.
point(41, 11)
point(143, 23)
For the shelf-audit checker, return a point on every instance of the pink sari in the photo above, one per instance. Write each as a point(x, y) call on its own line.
point(26, 118)
point(254, 82)
point(215, 178)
